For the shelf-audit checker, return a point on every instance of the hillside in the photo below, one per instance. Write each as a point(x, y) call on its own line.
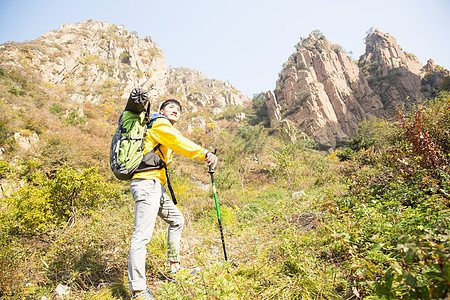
point(367, 221)
point(71, 84)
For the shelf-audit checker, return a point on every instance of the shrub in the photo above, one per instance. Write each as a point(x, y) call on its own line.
point(303, 95)
point(92, 251)
point(445, 85)
point(230, 113)
point(5, 169)
point(45, 203)
point(56, 109)
point(397, 210)
point(154, 51)
point(125, 58)
point(14, 91)
point(74, 119)
point(6, 136)
point(253, 140)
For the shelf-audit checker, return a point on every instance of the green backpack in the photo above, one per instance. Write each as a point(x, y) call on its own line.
point(126, 153)
point(127, 144)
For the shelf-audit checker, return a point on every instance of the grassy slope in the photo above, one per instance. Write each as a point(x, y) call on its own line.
point(323, 243)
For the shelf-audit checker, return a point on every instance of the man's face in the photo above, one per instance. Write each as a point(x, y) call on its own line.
point(172, 112)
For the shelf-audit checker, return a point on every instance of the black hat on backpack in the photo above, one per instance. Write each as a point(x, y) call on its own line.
point(137, 100)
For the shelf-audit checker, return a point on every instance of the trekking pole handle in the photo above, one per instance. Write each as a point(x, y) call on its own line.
point(211, 170)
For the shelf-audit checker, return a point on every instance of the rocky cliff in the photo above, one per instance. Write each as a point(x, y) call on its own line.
point(326, 95)
point(324, 92)
point(93, 61)
point(89, 57)
point(392, 73)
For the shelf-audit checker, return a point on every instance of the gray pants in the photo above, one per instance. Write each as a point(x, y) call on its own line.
point(151, 200)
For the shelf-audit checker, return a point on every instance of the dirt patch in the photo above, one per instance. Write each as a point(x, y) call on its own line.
point(305, 221)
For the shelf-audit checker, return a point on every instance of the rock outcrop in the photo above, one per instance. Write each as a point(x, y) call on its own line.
point(433, 78)
point(273, 109)
point(398, 77)
point(324, 92)
point(198, 91)
point(392, 73)
point(98, 62)
point(327, 95)
point(89, 58)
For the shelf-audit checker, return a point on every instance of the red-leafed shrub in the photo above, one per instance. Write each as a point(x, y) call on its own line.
point(398, 205)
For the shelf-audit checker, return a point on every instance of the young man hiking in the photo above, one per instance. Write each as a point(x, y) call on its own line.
point(147, 188)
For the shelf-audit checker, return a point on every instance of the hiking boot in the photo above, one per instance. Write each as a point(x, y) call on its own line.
point(144, 295)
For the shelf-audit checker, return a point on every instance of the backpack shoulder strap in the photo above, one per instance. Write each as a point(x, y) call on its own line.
point(153, 118)
point(157, 148)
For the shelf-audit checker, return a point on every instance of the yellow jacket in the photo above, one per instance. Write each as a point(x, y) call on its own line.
point(171, 140)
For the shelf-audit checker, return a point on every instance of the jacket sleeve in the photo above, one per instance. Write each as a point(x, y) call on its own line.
point(164, 133)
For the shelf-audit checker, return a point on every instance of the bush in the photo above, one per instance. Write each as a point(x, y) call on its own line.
point(5, 169)
point(14, 91)
point(6, 135)
point(397, 209)
point(56, 109)
point(45, 203)
point(445, 85)
point(125, 58)
point(230, 113)
point(74, 119)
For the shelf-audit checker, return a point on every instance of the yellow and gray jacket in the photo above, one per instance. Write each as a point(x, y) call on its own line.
point(161, 131)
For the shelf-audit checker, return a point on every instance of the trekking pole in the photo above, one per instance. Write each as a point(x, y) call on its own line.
point(211, 171)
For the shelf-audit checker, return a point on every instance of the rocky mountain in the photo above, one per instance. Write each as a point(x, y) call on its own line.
point(325, 94)
point(96, 61)
point(63, 92)
point(396, 75)
point(320, 89)
point(88, 57)
point(198, 91)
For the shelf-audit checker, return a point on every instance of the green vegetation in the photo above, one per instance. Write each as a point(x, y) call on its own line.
point(318, 34)
point(446, 84)
point(397, 207)
point(370, 69)
point(46, 203)
point(368, 221)
point(125, 58)
point(303, 95)
point(74, 119)
point(259, 115)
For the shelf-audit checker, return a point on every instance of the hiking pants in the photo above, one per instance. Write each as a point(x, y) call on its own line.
point(151, 201)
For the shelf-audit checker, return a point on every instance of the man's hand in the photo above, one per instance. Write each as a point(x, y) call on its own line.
point(211, 159)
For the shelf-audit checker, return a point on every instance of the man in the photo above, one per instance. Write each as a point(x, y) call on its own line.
point(151, 200)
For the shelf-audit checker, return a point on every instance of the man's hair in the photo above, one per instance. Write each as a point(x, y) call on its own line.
point(168, 101)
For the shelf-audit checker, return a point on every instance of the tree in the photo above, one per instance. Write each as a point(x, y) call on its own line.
point(445, 85)
point(260, 114)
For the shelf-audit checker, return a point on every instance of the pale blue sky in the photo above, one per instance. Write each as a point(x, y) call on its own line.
point(244, 42)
